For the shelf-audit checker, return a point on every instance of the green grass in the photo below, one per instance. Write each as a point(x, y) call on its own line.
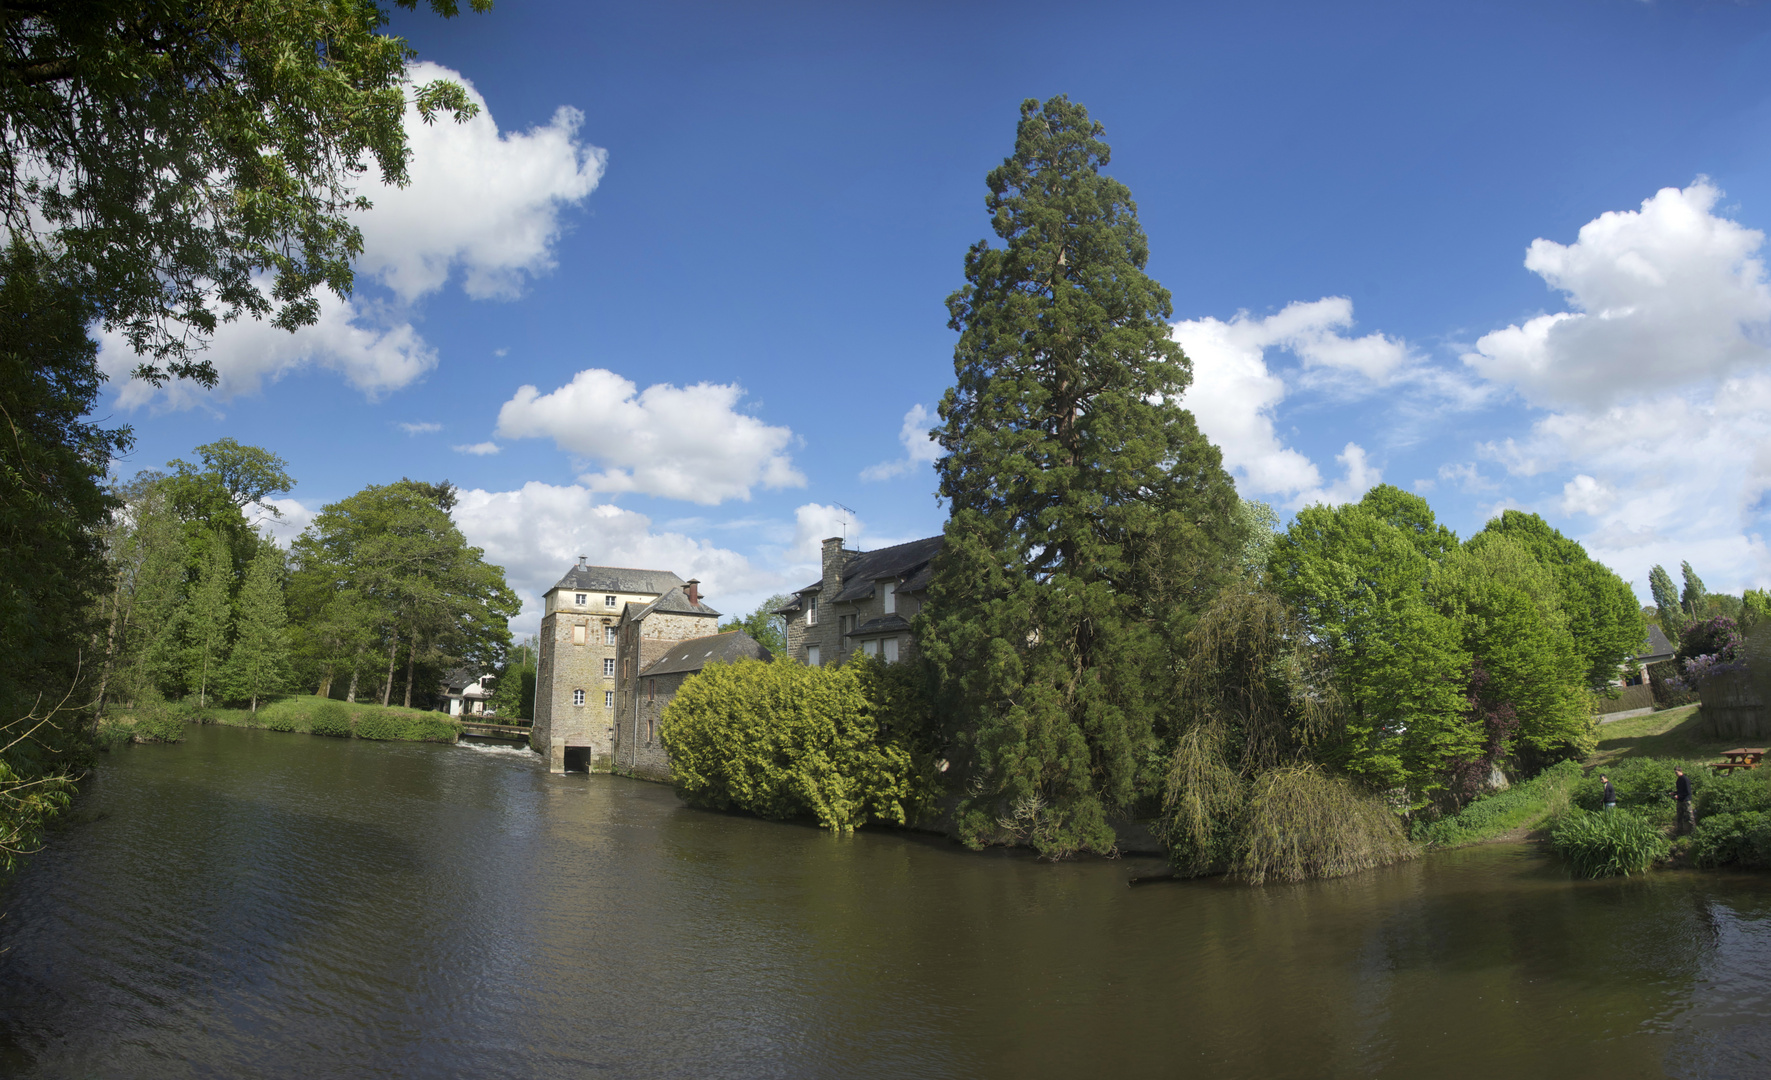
point(1529, 804)
point(1671, 734)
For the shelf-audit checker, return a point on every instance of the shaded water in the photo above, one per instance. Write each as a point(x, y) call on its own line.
point(261, 904)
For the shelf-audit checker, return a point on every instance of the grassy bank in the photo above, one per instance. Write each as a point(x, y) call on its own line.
point(298, 713)
point(1670, 734)
point(1526, 806)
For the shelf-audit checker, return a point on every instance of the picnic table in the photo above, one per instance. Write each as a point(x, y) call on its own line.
point(1745, 757)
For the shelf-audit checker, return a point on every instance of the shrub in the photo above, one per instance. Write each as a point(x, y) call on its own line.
point(1302, 823)
point(1741, 791)
point(433, 729)
point(1607, 845)
point(112, 734)
point(1642, 785)
point(158, 725)
point(1501, 811)
point(785, 740)
point(1666, 682)
point(384, 726)
point(279, 722)
point(331, 719)
point(1740, 839)
point(1718, 637)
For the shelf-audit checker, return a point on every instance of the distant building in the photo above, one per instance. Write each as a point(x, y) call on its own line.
point(603, 631)
point(638, 750)
point(863, 603)
point(1652, 651)
point(466, 692)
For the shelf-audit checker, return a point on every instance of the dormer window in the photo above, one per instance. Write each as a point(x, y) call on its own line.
point(582, 600)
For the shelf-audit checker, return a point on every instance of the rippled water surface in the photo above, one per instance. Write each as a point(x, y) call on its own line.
point(262, 904)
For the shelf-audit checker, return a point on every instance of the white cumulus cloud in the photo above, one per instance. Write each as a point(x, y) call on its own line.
point(1660, 297)
point(480, 449)
point(919, 449)
point(424, 427)
point(686, 442)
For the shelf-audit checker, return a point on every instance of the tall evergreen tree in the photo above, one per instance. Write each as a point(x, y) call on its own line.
point(259, 663)
point(1090, 518)
point(1666, 602)
point(1691, 599)
point(207, 618)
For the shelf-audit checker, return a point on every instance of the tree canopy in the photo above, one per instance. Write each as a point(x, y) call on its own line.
point(1090, 519)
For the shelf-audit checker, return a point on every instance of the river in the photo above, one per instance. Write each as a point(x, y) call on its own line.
point(257, 904)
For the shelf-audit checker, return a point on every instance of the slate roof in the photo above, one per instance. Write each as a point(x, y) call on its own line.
point(1657, 644)
point(885, 624)
point(910, 564)
point(457, 678)
point(696, 653)
point(608, 579)
point(673, 602)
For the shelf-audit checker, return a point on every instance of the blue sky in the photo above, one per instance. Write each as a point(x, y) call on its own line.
point(1502, 254)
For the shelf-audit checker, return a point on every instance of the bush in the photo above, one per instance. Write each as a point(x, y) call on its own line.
point(1666, 683)
point(1742, 790)
point(1499, 812)
point(159, 725)
point(785, 740)
point(1302, 823)
point(1608, 844)
point(1642, 785)
point(1738, 839)
point(279, 722)
point(383, 726)
point(433, 729)
point(331, 719)
point(112, 734)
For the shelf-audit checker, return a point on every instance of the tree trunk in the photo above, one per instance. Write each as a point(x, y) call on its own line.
point(325, 689)
point(411, 658)
point(350, 696)
point(387, 687)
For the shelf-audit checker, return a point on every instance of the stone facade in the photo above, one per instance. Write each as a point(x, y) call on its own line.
point(579, 670)
point(638, 749)
point(863, 603)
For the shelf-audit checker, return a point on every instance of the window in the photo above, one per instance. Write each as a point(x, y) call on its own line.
point(609, 667)
point(608, 601)
point(577, 697)
point(651, 690)
point(582, 600)
point(811, 611)
point(608, 699)
point(651, 731)
point(870, 648)
point(891, 650)
point(609, 635)
point(889, 593)
point(578, 634)
point(812, 655)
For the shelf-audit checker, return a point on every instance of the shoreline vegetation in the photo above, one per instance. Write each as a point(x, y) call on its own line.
point(165, 722)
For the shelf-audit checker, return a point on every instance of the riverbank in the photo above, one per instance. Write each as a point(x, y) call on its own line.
point(303, 713)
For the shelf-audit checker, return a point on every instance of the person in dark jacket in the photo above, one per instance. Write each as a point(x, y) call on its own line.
point(1609, 796)
point(1681, 794)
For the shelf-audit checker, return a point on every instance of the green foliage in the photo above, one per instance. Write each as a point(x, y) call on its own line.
point(1642, 786)
point(331, 719)
point(1667, 685)
point(379, 725)
point(1523, 804)
point(1738, 791)
point(1692, 596)
point(1303, 823)
point(1741, 838)
point(1357, 576)
point(513, 694)
point(259, 663)
point(1608, 844)
point(764, 626)
point(432, 727)
point(207, 618)
point(1603, 614)
point(162, 724)
point(175, 153)
point(1259, 523)
point(279, 722)
point(783, 740)
point(1666, 602)
point(27, 804)
point(1091, 520)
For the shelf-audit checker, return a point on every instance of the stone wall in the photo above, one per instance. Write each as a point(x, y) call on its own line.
point(565, 666)
point(638, 750)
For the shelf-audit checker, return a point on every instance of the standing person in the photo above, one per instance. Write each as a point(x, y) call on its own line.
point(1609, 796)
point(1682, 795)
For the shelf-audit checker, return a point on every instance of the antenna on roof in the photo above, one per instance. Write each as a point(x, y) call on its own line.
point(845, 521)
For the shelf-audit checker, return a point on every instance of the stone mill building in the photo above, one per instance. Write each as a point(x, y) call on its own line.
point(863, 603)
point(616, 644)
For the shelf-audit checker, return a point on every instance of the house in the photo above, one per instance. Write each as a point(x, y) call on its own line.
point(1652, 651)
point(466, 692)
point(599, 627)
point(638, 750)
point(863, 603)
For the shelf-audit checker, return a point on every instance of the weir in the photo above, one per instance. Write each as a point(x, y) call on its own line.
point(495, 731)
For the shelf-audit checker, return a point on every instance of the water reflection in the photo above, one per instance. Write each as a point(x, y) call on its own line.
point(251, 903)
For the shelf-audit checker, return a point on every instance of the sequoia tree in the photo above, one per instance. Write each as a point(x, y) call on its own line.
point(1090, 519)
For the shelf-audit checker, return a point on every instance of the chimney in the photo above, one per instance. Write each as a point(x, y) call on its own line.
point(833, 564)
point(694, 591)
point(580, 562)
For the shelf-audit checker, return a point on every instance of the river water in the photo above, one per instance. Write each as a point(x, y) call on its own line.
point(257, 904)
